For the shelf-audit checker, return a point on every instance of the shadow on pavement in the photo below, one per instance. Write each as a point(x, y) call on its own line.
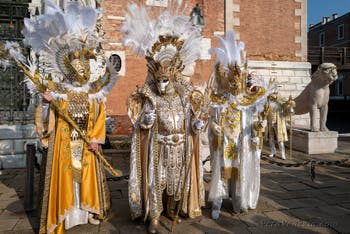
point(12, 184)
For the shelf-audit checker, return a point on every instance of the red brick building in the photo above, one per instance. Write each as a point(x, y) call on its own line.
point(274, 33)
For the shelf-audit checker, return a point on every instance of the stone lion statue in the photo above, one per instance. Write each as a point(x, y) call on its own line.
point(315, 96)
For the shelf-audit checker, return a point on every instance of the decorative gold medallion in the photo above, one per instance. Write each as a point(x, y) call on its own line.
point(175, 138)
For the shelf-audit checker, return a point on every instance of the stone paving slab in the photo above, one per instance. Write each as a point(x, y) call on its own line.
point(26, 231)
point(7, 224)
point(9, 214)
point(346, 205)
point(291, 229)
point(317, 212)
point(253, 220)
point(292, 194)
point(272, 202)
point(341, 189)
point(295, 186)
point(334, 210)
point(335, 199)
point(303, 202)
point(341, 224)
point(281, 217)
point(319, 184)
point(217, 226)
point(24, 223)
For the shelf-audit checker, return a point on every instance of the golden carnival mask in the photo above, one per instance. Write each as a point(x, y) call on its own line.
point(231, 80)
point(164, 62)
point(77, 66)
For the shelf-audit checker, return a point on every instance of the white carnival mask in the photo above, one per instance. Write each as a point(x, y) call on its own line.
point(162, 84)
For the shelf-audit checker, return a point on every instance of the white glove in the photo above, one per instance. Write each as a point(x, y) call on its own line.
point(111, 66)
point(149, 117)
point(198, 125)
point(263, 123)
point(256, 140)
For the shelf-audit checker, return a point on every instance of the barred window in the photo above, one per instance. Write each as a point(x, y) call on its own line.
point(322, 39)
point(340, 31)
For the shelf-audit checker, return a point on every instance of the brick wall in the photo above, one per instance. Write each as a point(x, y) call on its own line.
point(272, 30)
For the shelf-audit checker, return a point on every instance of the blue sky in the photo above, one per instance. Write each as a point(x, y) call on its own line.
point(316, 9)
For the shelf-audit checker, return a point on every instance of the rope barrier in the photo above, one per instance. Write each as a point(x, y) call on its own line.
point(312, 162)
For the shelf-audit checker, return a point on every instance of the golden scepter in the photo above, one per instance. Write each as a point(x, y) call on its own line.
point(290, 101)
point(42, 88)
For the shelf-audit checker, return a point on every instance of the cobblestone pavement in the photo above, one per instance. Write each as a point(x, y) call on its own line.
point(289, 203)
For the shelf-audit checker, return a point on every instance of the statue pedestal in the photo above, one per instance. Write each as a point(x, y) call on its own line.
point(314, 142)
point(13, 141)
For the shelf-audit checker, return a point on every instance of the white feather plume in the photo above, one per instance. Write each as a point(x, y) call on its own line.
point(4, 63)
point(48, 33)
point(57, 32)
point(141, 32)
point(57, 27)
point(10, 53)
point(14, 50)
point(230, 51)
point(138, 30)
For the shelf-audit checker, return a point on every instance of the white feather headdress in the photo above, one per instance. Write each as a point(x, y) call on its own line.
point(53, 34)
point(141, 33)
point(58, 37)
point(230, 51)
point(244, 89)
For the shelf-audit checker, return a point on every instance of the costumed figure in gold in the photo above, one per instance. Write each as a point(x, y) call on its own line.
point(71, 79)
point(165, 167)
point(276, 130)
point(235, 128)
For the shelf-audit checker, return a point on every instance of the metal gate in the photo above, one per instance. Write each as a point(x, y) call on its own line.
point(14, 98)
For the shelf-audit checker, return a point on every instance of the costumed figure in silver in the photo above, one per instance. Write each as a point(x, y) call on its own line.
point(165, 167)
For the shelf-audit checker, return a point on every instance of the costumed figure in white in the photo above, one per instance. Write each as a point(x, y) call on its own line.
point(165, 168)
point(235, 128)
point(72, 80)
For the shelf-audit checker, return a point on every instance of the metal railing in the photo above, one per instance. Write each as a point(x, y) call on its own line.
point(337, 55)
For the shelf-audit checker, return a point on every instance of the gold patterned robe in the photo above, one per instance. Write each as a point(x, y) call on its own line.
point(276, 122)
point(57, 195)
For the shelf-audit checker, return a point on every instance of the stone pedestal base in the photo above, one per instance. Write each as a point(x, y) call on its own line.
point(13, 141)
point(314, 142)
